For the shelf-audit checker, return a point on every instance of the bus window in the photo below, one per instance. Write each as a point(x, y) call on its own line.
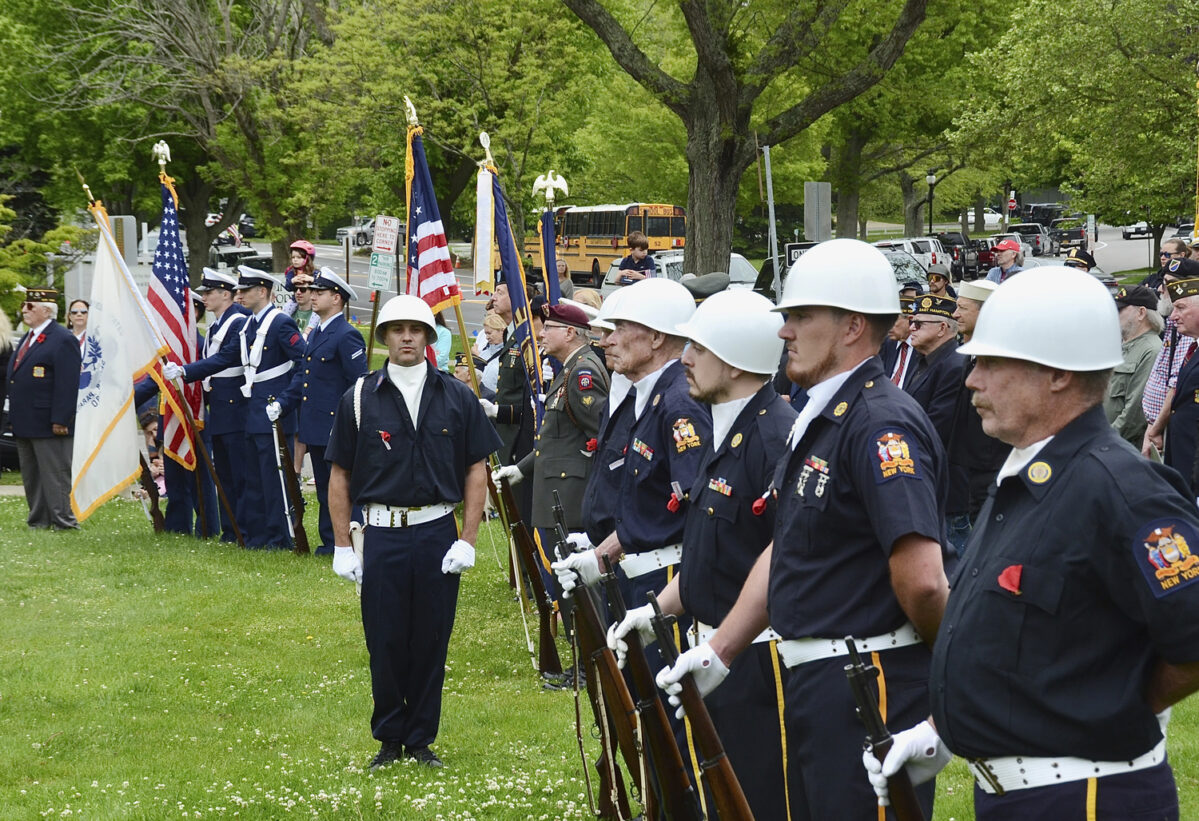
point(678, 226)
point(659, 227)
point(634, 224)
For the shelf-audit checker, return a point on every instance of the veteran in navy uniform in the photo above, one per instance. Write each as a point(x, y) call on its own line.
point(733, 352)
point(43, 388)
point(857, 539)
point(934, 383)
point(409, 443)
point(334, 358)
point(1182, 428)
point(1073, 622)
point(269, 345)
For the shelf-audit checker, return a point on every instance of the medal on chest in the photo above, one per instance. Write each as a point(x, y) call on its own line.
point(813, 466)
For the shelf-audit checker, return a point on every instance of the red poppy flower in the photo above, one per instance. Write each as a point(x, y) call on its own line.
point(386, 437)
point(41, 338)
point(1009, 579)
point(592, 445)
point(673, 504)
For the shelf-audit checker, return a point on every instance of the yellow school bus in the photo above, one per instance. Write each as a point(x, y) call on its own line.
point(590, 237)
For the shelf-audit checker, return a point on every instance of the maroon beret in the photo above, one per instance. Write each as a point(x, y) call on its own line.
point(568, 315)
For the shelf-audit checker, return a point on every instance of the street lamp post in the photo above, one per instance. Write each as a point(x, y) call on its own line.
point(931, 179)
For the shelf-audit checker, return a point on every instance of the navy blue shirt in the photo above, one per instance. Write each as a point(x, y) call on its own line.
point(1079, 575)
point(334, 358)
point(663, 456)
point(601, 499)
point(392, 463)
point(1184, 422)
point(869, 470)
point(723, 536)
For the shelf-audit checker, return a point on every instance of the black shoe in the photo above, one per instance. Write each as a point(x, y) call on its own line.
point(390, 752)
point(555, 681)
point(424, 756)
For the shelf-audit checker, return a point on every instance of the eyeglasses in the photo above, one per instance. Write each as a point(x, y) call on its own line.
point(301, 290)
point(78, 311)
point(917, 324)
point(1168, 254)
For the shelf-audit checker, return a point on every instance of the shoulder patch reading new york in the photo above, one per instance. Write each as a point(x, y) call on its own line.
point(1163, 551)
point(896, 455)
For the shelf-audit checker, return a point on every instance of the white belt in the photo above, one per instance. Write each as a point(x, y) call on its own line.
point(703, 632)
point(271, 373)
point(638, 564)
point(236, 370)
point(388, 516)
point(997, 776)
point(800, 651)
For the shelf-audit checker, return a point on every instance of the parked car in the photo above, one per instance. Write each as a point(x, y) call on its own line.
point(1025, 245)
point(361, 233)
point(1139, 230)
point(991, 218)
point(247, 227)
point(1185, 231)
point(1045, 212)
point(741, 273)
point(1069, 232)
point(1038, 237)
point(927, 250)
point(964, 259)
point(905, 267)
point(1110, 282)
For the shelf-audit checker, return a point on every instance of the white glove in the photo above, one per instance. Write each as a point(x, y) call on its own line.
point(460, 556)
point(575, 569)
point(636, 619)
point(346, 564)
point(172, 370)
point(1163, 719)
point(273, 410)
point(918, 750)
point(705, 667)
point(510, 472)
point(489, 408)
point(580, 542)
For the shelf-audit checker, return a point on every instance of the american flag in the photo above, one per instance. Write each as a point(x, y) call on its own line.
point(430, 272)
point(171, 302)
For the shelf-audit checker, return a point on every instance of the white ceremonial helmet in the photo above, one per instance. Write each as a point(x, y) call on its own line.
point(405, 306)
point(740, 327)
point(1055, 316)
point(842, 273)
point(658, 303)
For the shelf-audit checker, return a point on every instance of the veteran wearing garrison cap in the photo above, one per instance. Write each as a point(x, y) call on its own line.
point(334, 357)
point(43, 385)
point(1078, 258)
point(935, 337)
point(1072, 622)
point(1182, 423)
point(1140, 336)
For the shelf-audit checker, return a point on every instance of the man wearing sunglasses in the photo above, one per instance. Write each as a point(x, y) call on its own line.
point(43, 384)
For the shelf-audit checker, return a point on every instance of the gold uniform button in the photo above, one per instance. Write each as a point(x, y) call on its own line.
point(563, 474)
point(711, 511)
point(305, 384)
point(636, 471)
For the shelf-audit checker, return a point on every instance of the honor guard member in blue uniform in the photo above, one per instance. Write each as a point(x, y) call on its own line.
point(1073, 622)
point(409, 443)
point(225, 407)
point(857, 538)
point(563, 451)
point(43, 386)
point(1182, 426)
point(733, 352)
point(334, 358)
point(269, 345)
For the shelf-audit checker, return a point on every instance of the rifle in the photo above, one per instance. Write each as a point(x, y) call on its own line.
point(292, 497)
point(717, 770)
point(878, 737)
point(148, 485)
point(608, 694)
point(548, 663)
point(674, 785)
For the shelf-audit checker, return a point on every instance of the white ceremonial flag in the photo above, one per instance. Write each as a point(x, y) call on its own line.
point(121, 345)
point(484, 234)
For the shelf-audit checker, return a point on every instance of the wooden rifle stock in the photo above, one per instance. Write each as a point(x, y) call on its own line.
point(717, 770)
point(604, 679)
point(676, 791)
point(878, 737)
point(151, 488)
point(548, 662)
point(295, 498)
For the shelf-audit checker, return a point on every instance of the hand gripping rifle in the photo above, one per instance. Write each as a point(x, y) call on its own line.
point(548, 663)
point(715, 766)
point(878, 738)
point(152, 509)
point(675, 789)
point(293, 499)
point(611, 704)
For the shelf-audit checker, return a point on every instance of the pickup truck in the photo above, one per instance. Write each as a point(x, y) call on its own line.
point(1037, 236)
point(963, 258)
point(1069, 232)
point(362, 232)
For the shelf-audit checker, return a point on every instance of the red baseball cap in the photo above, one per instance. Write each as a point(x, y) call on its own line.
point(1007, 245)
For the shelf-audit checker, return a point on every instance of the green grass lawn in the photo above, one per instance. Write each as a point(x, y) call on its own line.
point(147, 677)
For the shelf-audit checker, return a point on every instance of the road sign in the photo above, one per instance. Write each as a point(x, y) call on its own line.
point(1011, 204)
point(794, 250)
point(383, 268)
point(387, 234)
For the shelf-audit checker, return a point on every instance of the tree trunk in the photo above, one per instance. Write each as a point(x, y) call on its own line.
point(980, 220)
point(719, 149)
point(913, 206)
point(845, 172)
